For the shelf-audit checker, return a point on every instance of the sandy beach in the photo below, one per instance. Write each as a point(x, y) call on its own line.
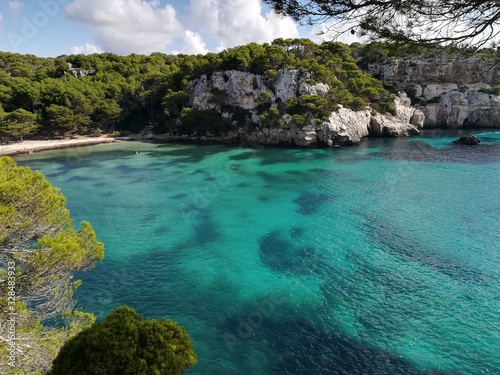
point(28, 147)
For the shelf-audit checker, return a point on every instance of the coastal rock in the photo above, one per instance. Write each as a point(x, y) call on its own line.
point(241, 88)
point(344, 127)
point(306, 137)
point(418, 119)
point(389, 126)
point(468, 139)
point(452, 93)
point(293, 136)
point(78, 72)
point(287, 84)
point(441, 71)
point(407, 120)
point(320, 89)
point(457, 109)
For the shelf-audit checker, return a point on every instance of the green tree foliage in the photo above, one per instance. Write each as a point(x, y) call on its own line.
point(38, 239)
point(126, 344)
point(447, 22)
point(270, 117)
point(194, 121)
point(174, 101)
point(18, 123)
point(81, 94)
point(378, 52)
point(63, 120)
point(218, 97)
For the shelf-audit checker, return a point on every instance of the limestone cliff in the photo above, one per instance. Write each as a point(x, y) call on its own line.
point(243, 90)
point(451, 93)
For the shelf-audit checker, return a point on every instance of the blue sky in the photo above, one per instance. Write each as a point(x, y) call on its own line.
point(56, 27)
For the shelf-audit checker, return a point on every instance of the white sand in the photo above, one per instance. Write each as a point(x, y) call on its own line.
point(28, 147)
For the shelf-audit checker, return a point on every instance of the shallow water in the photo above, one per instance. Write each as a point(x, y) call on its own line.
point(382, 258)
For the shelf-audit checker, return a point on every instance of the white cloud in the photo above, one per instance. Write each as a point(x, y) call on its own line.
point(194, 44)
point(238, 22)
point(126, 26)
point(86, 49)
point(141, 26)
point(16, 6)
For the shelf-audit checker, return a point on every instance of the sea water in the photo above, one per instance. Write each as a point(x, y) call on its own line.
point(381, 258)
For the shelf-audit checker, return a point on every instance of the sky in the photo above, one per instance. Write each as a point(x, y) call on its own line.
point(50, 28)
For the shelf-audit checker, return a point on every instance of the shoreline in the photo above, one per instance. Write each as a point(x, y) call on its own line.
point(30, 147)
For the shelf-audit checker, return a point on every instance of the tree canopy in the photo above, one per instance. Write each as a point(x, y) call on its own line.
point(40, 250)
point(90, 94)
point(451, 22)
point(127, 344)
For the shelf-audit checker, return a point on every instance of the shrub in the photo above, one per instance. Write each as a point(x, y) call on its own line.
point(125, 343)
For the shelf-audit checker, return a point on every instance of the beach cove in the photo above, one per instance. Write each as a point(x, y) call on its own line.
point(29, 147)
point(379, 258)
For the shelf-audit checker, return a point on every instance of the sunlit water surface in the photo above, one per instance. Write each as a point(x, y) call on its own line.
point(382, 258)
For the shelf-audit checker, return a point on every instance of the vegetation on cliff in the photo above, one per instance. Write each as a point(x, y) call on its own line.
point(40, 250)
point(127, 344)
point(82, 94)
point(378, 52)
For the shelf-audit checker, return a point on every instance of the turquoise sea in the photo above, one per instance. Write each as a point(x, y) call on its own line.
point(382, 258)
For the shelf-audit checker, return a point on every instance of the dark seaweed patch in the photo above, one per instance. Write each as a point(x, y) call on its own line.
point(308, 203)
point(243, 156)
point(178, 196)
point(109, 194)
point(422, 152)
point(274, 251)
point(286, 156)
point(243, 185)
point(304, 348)
point(274, 178)
point(405, 246)
point(282, 255)
point(296, 232)
point(205, 231)
point(164, 229)
point(126, 169)
point(296, 173)
point(190, 154)
point(151, 216)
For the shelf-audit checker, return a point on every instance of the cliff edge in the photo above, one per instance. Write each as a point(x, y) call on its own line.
point(230, 91)
point(452, 93)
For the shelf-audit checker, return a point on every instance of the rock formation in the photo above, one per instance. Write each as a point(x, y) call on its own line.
point(452, 93)
point(468, 139)
point(344, 127)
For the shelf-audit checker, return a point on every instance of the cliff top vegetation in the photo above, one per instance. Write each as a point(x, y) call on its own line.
point(89, 94)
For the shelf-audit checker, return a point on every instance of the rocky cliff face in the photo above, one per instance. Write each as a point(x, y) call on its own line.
point(451, 93)
point(343, 127)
